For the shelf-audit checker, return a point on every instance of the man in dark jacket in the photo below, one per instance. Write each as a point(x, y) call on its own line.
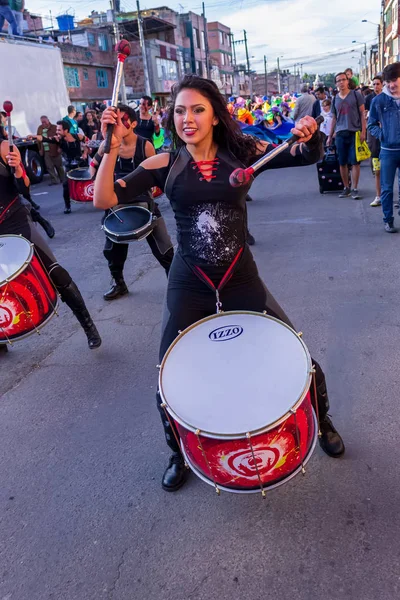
point(50, 152)
point(383, 123)
point(320, 95)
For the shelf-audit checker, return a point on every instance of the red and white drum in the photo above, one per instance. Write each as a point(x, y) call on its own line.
point(28, 298)
point(80, 185)
point(237, 386)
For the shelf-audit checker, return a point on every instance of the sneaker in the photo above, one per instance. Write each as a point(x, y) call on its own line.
point(389, 228)
point(67, 211)
point(396, 204)
point(377, 201)
point(346, 193)
point(355, 194)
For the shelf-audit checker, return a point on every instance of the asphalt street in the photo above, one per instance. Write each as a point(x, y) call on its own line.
point(83, 515)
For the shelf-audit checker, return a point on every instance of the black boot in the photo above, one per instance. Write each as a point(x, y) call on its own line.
point(3, 348)
point(72, 298)
point(118, 288)
point(175, 474)
point(330, 440)
point(34, 205)
point(47, 226)
point(250, 239)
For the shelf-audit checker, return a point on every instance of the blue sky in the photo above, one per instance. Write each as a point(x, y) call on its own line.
point(311, 32)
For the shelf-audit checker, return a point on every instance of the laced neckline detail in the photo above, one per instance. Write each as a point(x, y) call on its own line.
point(206, 168)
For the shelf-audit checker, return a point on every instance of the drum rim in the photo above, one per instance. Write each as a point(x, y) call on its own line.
point(257, 489)
point(240, 435)
point(132, 231)
point(28, 260)
point(13, 339)
point(79, 178)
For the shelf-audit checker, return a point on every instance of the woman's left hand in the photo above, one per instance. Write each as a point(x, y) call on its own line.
point(305, 129)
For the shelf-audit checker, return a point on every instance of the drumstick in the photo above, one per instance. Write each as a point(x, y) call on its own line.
point(115, 215)
point(8, 107)
point(123, 50)
point(241, 177)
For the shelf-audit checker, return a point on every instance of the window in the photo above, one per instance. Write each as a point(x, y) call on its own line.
point(221, 37)
point(228, 39)
point(166, 69)
point(91, 39)
point(196, 37)
point(102, 78)
point(172, 52)
point(199, 68)
point(71, 75)
point(222, 58)
point(103, 42)
point(163, 51)
point(85, 74)
point(203, 40)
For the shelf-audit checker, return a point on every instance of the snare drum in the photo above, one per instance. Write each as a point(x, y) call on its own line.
point(80, 185)
point(237, 386)
point(28, 298)
point(129, 223)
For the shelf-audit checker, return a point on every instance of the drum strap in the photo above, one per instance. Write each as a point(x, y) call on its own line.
point(3, 213)
point(217, 289)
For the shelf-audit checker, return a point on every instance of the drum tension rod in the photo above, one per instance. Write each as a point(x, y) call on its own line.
point(207, 463)
point(248, 435)
point(313, 371)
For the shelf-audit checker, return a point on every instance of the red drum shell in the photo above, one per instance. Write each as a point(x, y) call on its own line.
point(26, 302)
point(80, 185)
point(277, 454)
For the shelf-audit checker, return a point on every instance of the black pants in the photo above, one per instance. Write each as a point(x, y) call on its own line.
point(159, 241)
point(188, 300)
point(20, 223)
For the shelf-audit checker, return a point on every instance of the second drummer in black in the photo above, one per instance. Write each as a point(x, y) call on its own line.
point(133, 151)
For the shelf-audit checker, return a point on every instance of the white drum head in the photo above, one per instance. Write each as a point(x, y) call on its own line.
point(234, 373)
point(15, 251)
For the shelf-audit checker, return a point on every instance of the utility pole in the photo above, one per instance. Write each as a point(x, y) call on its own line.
point(233, 48)
point(247, 52)
point(279, 76)
point(143, 48)
point(265, 75)
point(117, 37)
point(207, 51)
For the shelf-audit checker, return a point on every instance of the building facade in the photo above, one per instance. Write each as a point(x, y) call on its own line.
point(89, 64)
point(220, 48)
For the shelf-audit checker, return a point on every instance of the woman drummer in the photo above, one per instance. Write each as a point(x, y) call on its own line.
point(211, 223)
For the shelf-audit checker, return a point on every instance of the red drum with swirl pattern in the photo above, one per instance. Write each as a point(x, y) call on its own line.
point(80, 185)
point(28, 299)
point(237, 387)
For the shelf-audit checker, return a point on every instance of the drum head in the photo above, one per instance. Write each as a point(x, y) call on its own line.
point(234, 373)
point(15, 252)
point(81, 174)
point(133, 218)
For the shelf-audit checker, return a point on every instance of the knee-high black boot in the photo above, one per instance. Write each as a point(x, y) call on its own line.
point(176, 473)
point(73, 298)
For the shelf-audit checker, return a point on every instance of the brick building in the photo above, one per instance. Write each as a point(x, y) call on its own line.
point(391, 31)
point(220, 47)
point(89, 60)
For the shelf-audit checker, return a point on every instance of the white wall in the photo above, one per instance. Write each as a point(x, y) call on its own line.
point(32, 77)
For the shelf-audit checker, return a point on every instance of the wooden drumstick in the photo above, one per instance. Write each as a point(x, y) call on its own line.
point(8, 107)
point(123, 50)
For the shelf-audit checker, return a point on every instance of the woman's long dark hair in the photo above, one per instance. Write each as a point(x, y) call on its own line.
point(227, 133)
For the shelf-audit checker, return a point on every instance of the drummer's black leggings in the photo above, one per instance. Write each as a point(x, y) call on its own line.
point(188, 300)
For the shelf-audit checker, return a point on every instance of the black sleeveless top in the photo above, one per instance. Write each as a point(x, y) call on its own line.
point(145, 128)
point(211, 215)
